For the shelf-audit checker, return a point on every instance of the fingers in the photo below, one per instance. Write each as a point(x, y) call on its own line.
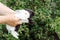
point(19, 22)
point(12, 20)
point(16, 22)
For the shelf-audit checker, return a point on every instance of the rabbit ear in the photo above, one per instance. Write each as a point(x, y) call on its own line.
point(31, 12)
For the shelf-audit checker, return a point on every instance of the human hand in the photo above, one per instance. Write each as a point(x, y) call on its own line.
point(12, 20)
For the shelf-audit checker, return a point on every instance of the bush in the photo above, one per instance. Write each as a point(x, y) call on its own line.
point(46, 20)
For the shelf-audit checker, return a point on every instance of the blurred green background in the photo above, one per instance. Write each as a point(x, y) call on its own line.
point(46, 20)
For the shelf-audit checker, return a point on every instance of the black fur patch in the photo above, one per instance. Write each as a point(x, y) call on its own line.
point(31, 12)
point(17, 27)
point(31, 21)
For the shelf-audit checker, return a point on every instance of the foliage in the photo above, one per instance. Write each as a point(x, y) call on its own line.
point(46, 20)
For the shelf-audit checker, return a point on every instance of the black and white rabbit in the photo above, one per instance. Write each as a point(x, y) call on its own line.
point(25, 15)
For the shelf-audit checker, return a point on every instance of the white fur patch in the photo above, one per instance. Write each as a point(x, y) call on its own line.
point(22, 14)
